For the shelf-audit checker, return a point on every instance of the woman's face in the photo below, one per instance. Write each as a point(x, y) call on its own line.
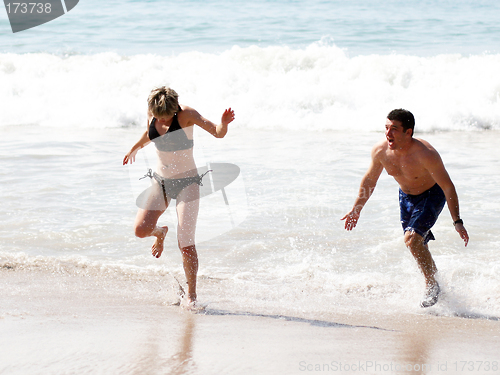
point(162, 120)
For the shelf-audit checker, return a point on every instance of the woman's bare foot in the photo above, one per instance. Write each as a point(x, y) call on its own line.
point(191, 298)
point(160, 233)
point(189, 303)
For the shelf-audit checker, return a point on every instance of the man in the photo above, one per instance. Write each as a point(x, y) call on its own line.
point(425, 186)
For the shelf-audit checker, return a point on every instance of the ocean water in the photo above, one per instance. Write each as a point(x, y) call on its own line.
point(311, 83)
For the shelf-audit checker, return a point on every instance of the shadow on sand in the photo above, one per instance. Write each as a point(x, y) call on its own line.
point(471, 315)
point(313, 322)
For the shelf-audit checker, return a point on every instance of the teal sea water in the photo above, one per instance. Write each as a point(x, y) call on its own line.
point(311, 83)
point(423, 27)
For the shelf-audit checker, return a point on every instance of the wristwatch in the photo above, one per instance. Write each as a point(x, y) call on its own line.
point(459, 221)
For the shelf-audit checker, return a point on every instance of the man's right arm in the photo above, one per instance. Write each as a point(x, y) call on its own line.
point(368, 183)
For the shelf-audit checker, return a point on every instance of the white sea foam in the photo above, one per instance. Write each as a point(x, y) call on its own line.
point(72, 211)
point(73, 101)
point(318, 87)
point(305, 122)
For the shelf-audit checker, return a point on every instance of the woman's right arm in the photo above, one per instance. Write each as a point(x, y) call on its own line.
point(143, 141)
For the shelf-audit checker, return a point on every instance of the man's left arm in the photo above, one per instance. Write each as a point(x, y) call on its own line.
point(435, 166)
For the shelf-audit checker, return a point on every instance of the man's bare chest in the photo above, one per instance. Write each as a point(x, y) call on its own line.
point(408, 167)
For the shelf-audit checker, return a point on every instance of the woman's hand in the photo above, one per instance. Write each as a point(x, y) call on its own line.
point(143, 141)
point(227, 117)
point(130, 157)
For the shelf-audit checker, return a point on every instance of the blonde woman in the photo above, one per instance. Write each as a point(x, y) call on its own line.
point(170, 126)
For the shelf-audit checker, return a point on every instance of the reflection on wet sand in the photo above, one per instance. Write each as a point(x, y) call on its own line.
point(415, 355)
point(156, 357)
point(182, 361)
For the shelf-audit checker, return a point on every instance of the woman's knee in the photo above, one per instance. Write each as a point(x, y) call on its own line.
point(187, 250)
point(186, 238)
point(145, 222)
point(190, 255)
point(142, 230)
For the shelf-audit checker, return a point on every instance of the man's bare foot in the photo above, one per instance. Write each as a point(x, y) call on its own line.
point(431, 295)
point(157, 247)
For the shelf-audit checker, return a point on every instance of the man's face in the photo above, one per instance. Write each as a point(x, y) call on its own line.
point(395, 134)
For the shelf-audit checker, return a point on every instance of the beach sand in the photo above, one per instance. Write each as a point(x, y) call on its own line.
point(83, 325)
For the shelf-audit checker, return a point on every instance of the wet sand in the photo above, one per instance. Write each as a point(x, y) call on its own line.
point(80, 326)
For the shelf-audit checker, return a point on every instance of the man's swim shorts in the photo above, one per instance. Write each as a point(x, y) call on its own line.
point(420, 212)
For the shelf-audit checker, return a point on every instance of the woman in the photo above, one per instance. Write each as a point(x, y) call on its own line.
point(170, 127)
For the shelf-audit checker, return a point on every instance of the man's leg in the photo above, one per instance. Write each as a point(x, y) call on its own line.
point(420, 251)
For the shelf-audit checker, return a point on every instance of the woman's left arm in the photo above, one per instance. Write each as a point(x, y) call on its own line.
point(218, 131)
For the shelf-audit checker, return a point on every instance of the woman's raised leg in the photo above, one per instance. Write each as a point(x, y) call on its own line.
point(145, 226)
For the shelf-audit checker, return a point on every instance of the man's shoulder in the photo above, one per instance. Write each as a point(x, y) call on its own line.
point(425, 152)
point(422, 146)
point(380, 148)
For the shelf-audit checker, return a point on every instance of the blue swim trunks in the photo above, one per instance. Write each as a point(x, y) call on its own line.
point(420, 212)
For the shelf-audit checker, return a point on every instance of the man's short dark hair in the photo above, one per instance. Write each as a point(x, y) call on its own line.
point(405, 117)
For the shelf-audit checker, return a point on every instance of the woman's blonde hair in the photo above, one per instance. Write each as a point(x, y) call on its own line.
point(163, 101)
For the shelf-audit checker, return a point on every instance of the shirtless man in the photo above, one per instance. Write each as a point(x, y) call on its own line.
point(425, 186)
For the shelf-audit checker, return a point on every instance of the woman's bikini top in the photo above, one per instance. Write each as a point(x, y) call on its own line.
point(174, 139)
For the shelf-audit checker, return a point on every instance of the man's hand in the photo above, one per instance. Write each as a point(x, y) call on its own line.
point(462, 232)
point(351, 219)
